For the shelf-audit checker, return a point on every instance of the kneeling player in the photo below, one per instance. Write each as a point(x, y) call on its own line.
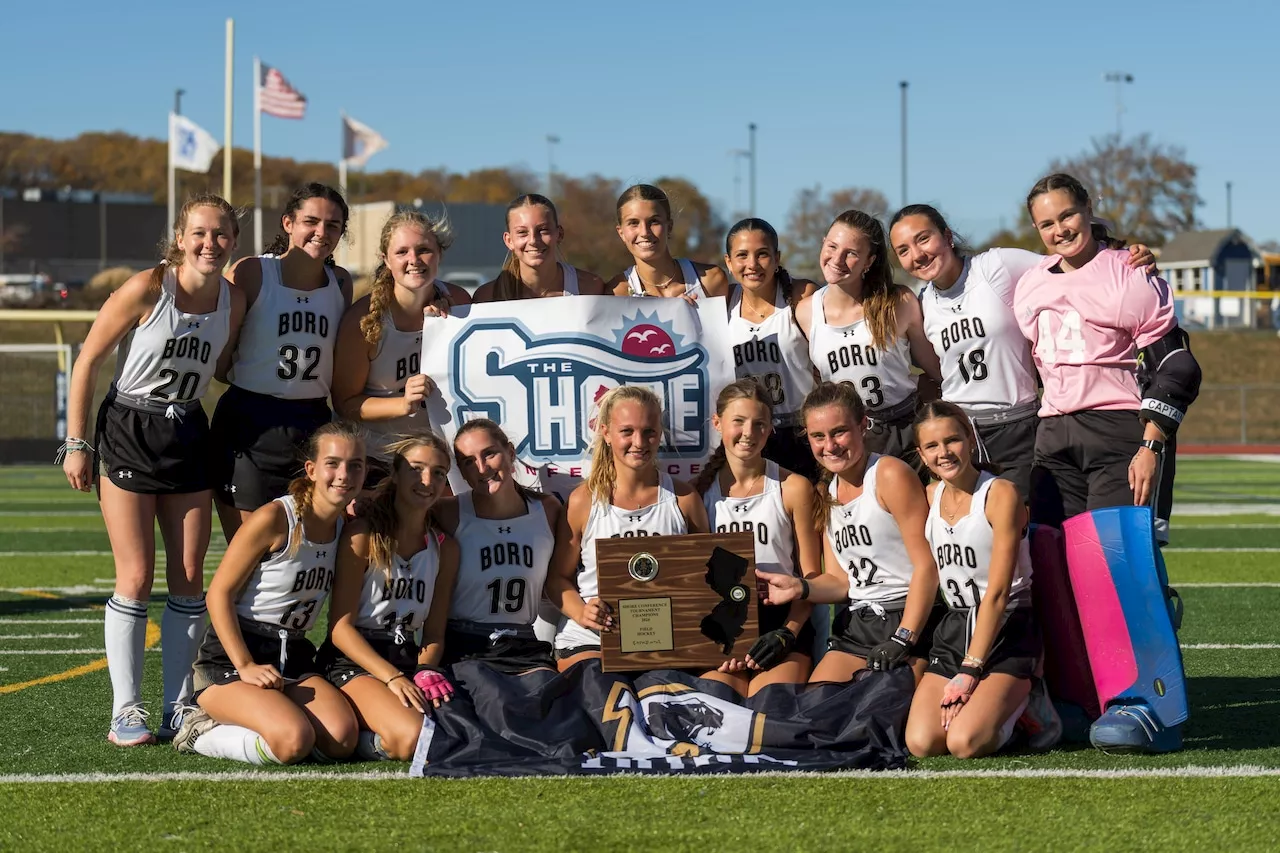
point(394, 578)
point(874, 513)
point(508, 537)
point(256, 673)
point(987, 644)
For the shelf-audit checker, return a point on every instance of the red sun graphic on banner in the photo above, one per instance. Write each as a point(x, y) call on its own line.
point(647, 341)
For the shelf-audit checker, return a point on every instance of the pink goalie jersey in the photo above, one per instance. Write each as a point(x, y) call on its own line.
point(1086, 327)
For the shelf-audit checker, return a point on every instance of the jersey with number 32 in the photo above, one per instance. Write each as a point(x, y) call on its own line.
point(1086, 327)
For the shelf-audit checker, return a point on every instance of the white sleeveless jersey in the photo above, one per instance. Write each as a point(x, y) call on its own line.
point(398, 357)
point(502, 565)
point(570, 278)
point(986, 362)
point(399, 602)
point(773, 350)
point(172, 356)
point(286, 344)
point(845, 354)
point(287, 591)
point(692, 283)
point(762, 515)
point(963, 551)
point(868, 544)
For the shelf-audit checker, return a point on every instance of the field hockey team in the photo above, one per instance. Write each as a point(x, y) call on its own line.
point(894, 447)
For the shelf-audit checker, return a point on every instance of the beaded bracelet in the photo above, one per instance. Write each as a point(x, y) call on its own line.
point(71, 445)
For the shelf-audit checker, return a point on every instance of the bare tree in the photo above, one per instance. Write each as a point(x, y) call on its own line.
point(811, 215)
point(1146, 189)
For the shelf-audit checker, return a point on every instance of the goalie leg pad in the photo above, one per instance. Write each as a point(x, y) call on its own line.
point(1066, 659)
point(1118, 579)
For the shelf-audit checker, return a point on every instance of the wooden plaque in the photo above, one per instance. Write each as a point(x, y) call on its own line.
point(658, 590)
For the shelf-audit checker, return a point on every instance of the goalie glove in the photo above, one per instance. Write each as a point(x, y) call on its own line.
point(885, 656)
point(772, 648)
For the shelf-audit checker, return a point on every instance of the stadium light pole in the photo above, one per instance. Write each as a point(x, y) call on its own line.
point(751, 176)
point(177, 101)
point(902, 85)
point(552, 141)
point(1228, 204)
point(1119, 78)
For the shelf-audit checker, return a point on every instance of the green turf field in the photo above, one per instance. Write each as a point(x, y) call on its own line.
point(63, 786)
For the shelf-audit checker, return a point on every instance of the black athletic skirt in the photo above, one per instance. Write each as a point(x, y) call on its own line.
point(292, 654)
point(258, 444)
point(340, 669)
point(164, 452)
point(1016, 652)
point(510, 649)
point(857, 632)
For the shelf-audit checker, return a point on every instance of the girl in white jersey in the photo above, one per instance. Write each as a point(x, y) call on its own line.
point(173, 326)
point(866, 330)
point(767, 341)
point(644, 226)
point(377, 377)
point(395, 575)
point(625, 494)
point(261, 698)
point(968, 317)
point(283, 365)
point(741, 490)
point(987, 646)
point(873, 511)
point(533, 267)
point(508, 538)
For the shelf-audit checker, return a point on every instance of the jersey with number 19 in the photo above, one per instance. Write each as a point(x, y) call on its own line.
point(775, 351)
point(1086, 327)
point(867, 543)
point(286, 345)
point(502, 564)
point(288, 589)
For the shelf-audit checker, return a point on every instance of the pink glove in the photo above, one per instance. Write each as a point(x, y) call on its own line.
point(434, 686)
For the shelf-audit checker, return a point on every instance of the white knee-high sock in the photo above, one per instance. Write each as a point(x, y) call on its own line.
point(180, 631)
point(236, 743)
point(1006, 731)
point(125, 630)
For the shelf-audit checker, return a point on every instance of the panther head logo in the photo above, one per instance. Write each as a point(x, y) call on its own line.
point(683, 721)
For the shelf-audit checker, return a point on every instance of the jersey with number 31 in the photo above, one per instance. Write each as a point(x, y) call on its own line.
point(1086, 327)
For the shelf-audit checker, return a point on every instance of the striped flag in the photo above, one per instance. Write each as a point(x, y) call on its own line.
point(277, 98)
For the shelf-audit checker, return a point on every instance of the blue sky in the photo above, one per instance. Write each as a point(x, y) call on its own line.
point(641, 89)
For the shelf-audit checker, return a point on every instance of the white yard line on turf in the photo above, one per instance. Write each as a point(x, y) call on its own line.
point(40, 636)
point(1175, 550)
point(21, 621)
point(1197, 646)
point(63, 651)
point(275, 777)
point(212, 552)
point(45, 513)
point(1216, 508)
point(1178, 585)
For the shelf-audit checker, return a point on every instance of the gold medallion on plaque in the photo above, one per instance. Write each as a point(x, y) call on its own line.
point(643, 566)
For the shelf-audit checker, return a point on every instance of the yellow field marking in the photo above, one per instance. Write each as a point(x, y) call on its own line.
point(37, 593)
point(153, 637)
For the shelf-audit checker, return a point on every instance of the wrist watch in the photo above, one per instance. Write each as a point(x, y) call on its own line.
point(906, 635)
point(1155, 445)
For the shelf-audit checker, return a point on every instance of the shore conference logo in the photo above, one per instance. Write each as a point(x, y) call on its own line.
point(548, 388)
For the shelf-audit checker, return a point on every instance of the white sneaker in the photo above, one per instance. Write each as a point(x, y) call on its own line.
point(192, 723)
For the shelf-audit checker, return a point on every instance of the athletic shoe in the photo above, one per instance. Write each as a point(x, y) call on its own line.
point(1040, 721)
point(172, 722)
point(129, 728)
point(192, 723)
point(1124, 729)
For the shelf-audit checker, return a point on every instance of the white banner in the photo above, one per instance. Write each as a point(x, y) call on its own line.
point(191, 147)
point(539, 366)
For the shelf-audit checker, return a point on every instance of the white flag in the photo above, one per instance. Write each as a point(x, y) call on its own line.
point(359, 141)
point(191, 147)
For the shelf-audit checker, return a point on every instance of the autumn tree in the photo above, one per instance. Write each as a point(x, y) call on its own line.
point(587, 213)
point(811, 215)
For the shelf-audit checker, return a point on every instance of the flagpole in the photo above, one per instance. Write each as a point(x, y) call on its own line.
point(257, 156)
point(228, 150)
point(173, 186)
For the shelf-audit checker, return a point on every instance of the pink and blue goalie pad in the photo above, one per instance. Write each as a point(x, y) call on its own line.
point(1118, 577)
point(1066, 659)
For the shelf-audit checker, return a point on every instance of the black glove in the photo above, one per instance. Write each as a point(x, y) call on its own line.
point(885, 656)
point(772, 648)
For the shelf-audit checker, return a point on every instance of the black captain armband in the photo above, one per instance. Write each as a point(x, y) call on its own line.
point(1169, 377)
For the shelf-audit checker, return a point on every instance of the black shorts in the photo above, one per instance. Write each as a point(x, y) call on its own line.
point(565, 654)
point(339, 669)
point(774, 616)
point(1017, 650)
point(259, 442)
point(856, 632)
point(788, 446)
point(1012, 446)
point(149, 453)
point(1082, 463)
point(505, 654)
point(263, 641)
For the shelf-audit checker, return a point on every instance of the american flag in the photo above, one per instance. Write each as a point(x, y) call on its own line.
point(277, 98)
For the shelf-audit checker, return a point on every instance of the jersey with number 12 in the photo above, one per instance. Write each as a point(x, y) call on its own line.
point(1086, 327)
